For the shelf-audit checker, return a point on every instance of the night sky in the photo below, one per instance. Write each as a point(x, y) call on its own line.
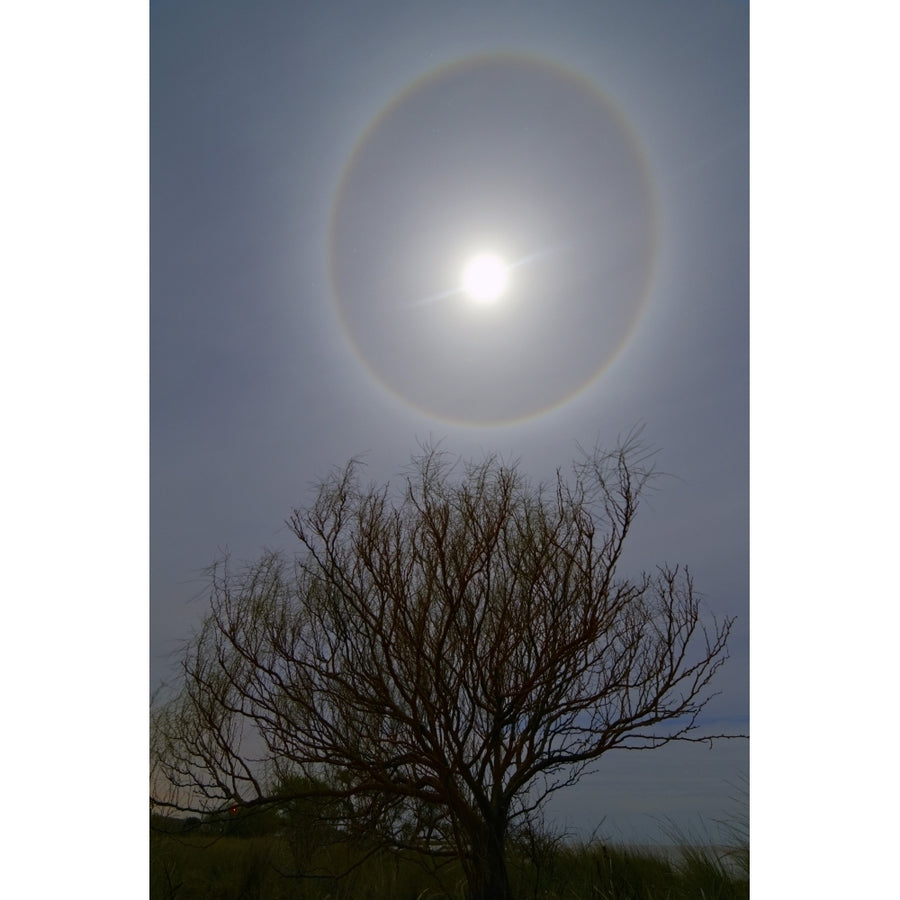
point(320, 173)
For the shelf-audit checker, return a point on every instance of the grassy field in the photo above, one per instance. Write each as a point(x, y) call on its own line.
point(191, 865)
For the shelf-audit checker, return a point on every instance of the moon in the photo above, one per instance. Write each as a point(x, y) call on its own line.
point(485, 277)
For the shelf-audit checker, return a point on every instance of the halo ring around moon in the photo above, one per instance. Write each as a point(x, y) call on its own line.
point(565, 188)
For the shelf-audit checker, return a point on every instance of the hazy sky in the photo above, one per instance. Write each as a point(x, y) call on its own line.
point(320, 173)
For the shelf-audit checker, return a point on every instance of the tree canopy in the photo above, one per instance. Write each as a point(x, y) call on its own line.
point(439, 658)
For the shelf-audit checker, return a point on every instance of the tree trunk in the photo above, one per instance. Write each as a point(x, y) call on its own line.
point(486, 873)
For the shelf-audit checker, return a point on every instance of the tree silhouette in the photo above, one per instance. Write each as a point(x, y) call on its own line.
point(442, 658)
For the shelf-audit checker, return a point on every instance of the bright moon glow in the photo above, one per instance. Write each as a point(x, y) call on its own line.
point(485, 277)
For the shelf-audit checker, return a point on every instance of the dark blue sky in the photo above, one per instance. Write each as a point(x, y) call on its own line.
point(310, 184)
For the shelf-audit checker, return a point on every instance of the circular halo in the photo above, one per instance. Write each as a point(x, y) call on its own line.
point(515, 153)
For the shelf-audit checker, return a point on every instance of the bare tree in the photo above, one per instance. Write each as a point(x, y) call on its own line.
point(441, 658)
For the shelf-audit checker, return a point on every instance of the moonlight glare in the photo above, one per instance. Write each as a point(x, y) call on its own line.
point(485, 278)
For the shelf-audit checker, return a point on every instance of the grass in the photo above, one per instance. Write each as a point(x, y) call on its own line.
point(192, 866)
